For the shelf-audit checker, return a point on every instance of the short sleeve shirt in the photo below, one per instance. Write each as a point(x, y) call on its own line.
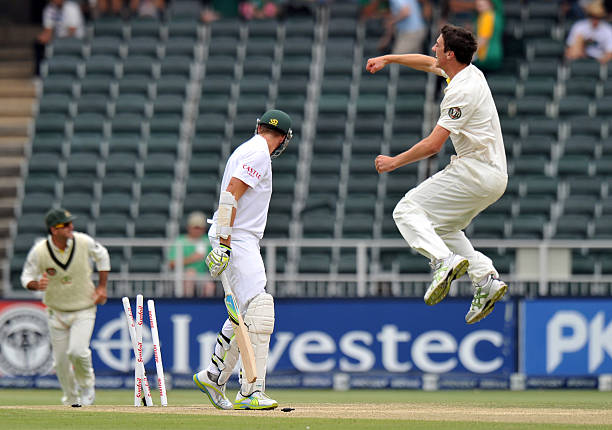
point(250, 163)
point(64, 18)
point(469, 113)
point(598, 39)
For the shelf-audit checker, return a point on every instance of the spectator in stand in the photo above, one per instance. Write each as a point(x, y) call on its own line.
point(258, 9)
point(60, 19)
point(195, 246)
point(406, 26)
point(208, 12)
point(591, 37)
point(489, 31)
point(115, 7)
point(141, 8)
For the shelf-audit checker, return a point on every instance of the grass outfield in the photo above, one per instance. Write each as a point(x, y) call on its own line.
point(319, 409)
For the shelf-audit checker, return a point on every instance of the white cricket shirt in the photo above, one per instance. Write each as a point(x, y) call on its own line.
point(64, 18)
point(469, 113)
point(250, 163)
point(69, 271)
point(598, 40)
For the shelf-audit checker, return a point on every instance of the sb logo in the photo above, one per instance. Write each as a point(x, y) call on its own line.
point(274, 121)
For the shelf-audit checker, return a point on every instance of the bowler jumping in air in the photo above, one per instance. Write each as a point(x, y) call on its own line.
point(432, 216)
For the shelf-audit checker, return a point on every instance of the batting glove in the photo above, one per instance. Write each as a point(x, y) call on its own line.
point(218, 259)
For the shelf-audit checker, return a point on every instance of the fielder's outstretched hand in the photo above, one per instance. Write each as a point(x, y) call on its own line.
point(375, 64)
point(218, 259)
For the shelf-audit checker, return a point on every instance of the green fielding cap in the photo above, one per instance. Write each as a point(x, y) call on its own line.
point(58, 216)
point(277, 119)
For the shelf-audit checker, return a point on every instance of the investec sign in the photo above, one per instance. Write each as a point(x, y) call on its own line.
point(327, 336)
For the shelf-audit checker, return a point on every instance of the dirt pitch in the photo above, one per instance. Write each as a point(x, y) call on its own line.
point(389, 411)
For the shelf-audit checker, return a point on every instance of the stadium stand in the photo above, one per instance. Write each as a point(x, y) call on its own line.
point(136, 121)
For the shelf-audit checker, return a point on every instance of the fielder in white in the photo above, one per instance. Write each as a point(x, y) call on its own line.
point(61, 267)
point(431, 216)
point(238, 226)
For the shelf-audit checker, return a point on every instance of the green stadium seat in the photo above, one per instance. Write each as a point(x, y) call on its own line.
point(92, 103)
point(574, 105)
point(122, 182)
point(278, 227)
point(127, 125)
point(44, 163)
point(154, 203)
point(37, 203)
point(536, 204)
point(78, 202)
point(585, 67)
point(183, 28)
point(144, 27)
point(150, 263)
point(80, 183)
point(580, 205)
point(89, 123)
point(84, 162)
point(105, 45)
point(225, 27)
point(159, 163)
point(357, 203)
point(138, 65)
point(116, 203)
point(101, 65)
point(61, 65)
point(58, 84)
point(313, 263)
point(204, 202)
point(220, 65)
point(324, 182)
point(223, 46)
point(540, 185)
point(55, 104)
point(143, 46)
point(574, 165)
point(150, 225)
point(529, 226)
point(112, 225)
point(488, 226)
point(121, 162)
point(181, 46)
point(572, 227)
point(108, 26)
point(319, 223)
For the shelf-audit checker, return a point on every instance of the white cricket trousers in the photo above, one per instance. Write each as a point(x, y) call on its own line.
point(70, 336)
point(246, 271)
point(432, 215)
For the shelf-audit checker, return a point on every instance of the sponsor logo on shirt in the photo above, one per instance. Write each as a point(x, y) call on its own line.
point(252, 172)
point(454, 113)
point(50, 271)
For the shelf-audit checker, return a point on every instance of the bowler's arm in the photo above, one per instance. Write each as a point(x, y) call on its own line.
point(424, 63)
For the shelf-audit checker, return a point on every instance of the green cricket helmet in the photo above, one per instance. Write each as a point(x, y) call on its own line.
point(280, 121)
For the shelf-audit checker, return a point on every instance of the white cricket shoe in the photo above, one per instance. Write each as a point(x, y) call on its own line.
point(485, 297)
point(88, 395)
point(257, 400)
point(71, 401)
point(445, 271)
point(216, 393)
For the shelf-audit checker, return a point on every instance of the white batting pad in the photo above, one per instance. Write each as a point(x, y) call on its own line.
point(259, 318)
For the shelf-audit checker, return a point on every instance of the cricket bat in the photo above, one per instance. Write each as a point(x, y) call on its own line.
point(240, 331)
